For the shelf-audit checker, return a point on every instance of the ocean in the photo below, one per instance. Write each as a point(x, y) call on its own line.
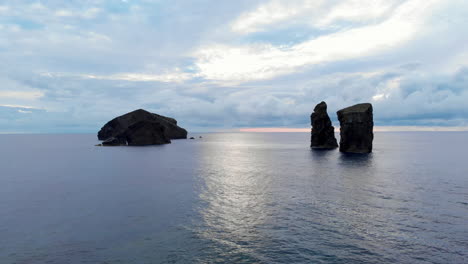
point(234, 198)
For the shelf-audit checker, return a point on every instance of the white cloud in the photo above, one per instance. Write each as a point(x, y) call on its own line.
point(256, 62)
point(356, 10)
point(20, 106)
point(4, 9)
point(29, 95)
point(85, 14)
point(175, 76)
point(271, 13)
point(91, 13)
point(385, 89)
point(141, 77)
point(64, 13)
point(37, 6)
point(315, 13)
point(97, 37)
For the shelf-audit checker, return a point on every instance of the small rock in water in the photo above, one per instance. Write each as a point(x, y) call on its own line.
point(192, 138)
point(115, 141)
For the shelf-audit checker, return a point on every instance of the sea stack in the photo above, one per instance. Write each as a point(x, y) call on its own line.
point(323, 133)
point(140, 128)
point(356, 132)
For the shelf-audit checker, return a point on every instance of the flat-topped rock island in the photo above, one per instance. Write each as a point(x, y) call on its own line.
point(140, 128)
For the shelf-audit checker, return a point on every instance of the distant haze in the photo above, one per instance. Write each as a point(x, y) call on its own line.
point(70, 66)
point(376, 129)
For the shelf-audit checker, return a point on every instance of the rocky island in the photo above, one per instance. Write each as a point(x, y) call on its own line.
point(140, 128)
point(356, 128)
point(323, 133)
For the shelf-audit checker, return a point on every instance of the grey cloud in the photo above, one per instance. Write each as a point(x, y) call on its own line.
point(156, 36)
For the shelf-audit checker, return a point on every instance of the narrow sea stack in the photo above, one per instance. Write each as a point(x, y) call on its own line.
point(140, 128)
point(356, 132)
point(323, 133)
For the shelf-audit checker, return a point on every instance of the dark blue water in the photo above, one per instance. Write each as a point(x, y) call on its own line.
point(233, 198)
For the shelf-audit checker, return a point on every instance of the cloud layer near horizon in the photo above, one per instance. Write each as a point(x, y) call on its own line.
point(71, 66)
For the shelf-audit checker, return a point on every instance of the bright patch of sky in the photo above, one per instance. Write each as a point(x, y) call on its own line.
point(70, 66)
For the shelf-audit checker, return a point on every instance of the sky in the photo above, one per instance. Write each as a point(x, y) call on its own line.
point(70, 66)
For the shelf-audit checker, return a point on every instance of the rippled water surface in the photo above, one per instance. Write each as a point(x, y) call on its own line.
point(234, 198)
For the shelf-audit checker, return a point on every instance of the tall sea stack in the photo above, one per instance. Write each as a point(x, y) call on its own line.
point(356, 132)
point(323, 133)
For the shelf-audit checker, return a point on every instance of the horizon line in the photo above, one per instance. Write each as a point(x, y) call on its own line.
point(274, 130)
point(376, 129)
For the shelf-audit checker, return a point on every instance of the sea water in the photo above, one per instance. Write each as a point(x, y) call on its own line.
point(234, 198)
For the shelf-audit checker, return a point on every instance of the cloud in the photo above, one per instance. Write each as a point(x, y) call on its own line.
point(272, 13)
point(19, 106)
point(358, 11)
point(315, 13)
point(85, 14)
point(254, 62)
point(222, 64)
point(21, 95)
point(4, 9)
point(175, 76)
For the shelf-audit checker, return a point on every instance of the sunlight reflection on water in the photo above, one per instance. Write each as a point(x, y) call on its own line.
point(275, 203)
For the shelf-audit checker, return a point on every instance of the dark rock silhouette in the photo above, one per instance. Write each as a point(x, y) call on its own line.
point(192, 138)
point(139, 134)
point(139, 128)
point(146, 133)
point(356, 130)
point(115, 141)
point(323, 133)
